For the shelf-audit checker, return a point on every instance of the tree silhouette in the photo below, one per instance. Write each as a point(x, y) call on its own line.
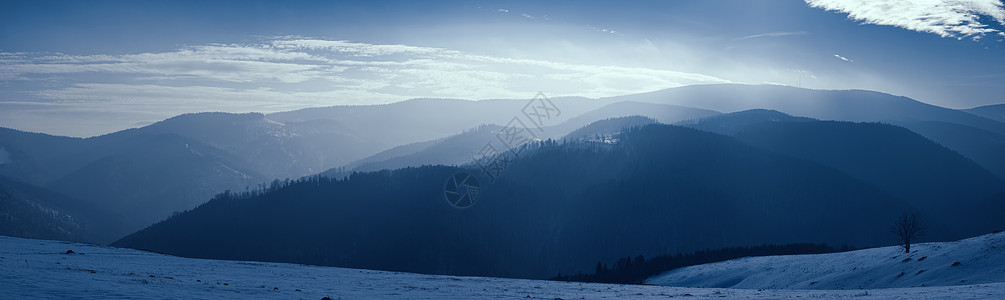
point(907, 228)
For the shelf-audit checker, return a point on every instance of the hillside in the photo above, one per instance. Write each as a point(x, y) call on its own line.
point(123, 167)
point(30, 211)
point(608, 127)
point(419, 120)
point(970, 261)
point(462, 148)
point(41, 269)
point(894, 159)
point(160, 175)
point(839, 105)
point(633, 197)
point(737, 122)
point(984, 147)
point(663, 113)
point(457, 149)
point(993, 112)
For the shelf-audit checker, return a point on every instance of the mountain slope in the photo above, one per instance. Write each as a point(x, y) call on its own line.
point(661, 189)
point(453, 150)
point(983, 146)
point(970, 261)
point(39, 269)
point(993, 112)
point(609, 127)
point(663, 113)
point(909, 166)
point(733, 123)
point(841, 105)
point(158, 176)
point(276, 150)
point(990, 211)
point(33, 212)
point(932, 178)
point(36, 158)
point(462, 148)
point(419, 120)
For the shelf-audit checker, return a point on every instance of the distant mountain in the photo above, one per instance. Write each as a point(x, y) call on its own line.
point(461, 148)
point(993, 112)
point(33, 212)
point(159, 175)
point(276, 150)
point(660, 189)
point(840, 105)
point(984, 147)
point(124, 170)
point(890, 157)
point(667, 114)
point(930, 177)
point(733, 123)
point(146, 173)
point(454, 150)
point(609, 127)
point(36, 158)
point(420, 120)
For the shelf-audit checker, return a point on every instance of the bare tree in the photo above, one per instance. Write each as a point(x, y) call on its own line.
point(907, 228)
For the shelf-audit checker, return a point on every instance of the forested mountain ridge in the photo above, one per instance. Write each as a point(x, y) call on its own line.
point(660, 189)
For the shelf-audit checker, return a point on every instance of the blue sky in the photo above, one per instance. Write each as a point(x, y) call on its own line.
point(83, 68)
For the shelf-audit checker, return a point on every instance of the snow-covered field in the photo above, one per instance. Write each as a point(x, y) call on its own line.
point(31, 269)
point(970, 261)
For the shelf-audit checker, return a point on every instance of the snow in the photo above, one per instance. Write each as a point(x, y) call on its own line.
point(37, 269)
point(980, 260)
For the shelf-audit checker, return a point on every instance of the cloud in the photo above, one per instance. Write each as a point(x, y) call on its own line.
point(774, 34)
point(946, 18)
point(291, 72)
point(605, 30)
point(503, 10)
point(527, 16)
point(843, 58)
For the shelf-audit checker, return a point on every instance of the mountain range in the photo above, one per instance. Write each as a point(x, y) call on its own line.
point(879, 154)
point(658, 189)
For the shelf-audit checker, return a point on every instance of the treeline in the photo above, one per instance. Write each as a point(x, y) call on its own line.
point(275, 185)
point(629, 270)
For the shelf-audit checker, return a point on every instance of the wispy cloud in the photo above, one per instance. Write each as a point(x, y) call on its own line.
point(843, 58)
point(290, 73)
point(604, 30)
point(947, 18)
point(774, 34)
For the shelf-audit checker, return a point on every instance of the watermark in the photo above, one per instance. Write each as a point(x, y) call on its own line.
point(510, 142)
point(461, 190)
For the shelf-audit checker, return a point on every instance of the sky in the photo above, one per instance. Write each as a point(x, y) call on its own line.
point(85, 68)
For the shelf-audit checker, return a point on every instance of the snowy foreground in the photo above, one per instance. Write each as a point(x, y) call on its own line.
point(970, 261)
point(31, 269)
